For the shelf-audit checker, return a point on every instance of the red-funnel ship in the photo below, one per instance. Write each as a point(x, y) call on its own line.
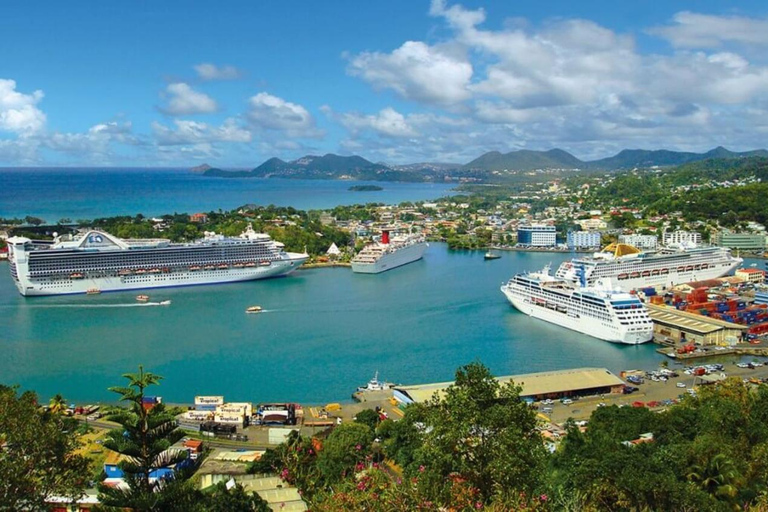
point(385, 237)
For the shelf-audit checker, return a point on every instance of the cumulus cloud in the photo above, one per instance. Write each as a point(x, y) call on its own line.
point(187, 132)
point(208, 71)
point(268, 112)
point(182, 100)
point(569, 83)
point(417, 71)
point(18, 111)
point(695, 30)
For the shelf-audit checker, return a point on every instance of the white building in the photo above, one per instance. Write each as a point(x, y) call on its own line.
point(649, 242)
point(536, 235)
point(682, 237)
point(583, 239)
point(592, 224)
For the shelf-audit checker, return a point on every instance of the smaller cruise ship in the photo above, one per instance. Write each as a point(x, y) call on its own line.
point(599, 311)
point(389, 253)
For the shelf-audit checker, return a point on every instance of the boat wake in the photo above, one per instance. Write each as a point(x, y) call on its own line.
point(98, 306)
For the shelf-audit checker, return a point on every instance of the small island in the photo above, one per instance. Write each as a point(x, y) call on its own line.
point(365, 188)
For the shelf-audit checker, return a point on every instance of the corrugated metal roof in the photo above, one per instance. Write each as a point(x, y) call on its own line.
point(533, 384)
point(699, 324)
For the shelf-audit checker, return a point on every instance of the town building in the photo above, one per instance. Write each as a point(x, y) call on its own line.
point(200, 218)
point(744, 241)
point(536, 235)
point(646, 242)
point(681, 237)
point(751, 275)
point(592, 224)
point(583, 239)
point(673, 326)
point(536, 386)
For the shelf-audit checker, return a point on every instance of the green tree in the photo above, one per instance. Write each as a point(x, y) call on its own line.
point(481, 431)
point(346, 446)
point(145, 439)
point(368, 417)
point(37, 457)
point(57, 404)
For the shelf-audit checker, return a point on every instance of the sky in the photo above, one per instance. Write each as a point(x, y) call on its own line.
point(178, 83)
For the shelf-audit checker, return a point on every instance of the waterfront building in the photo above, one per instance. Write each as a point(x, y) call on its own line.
point(761, 297)
point(751, 275)
point(646, 242)
point(537, 386)
point(583, 239)
point(681, 237)
point(536, 235)
point(592, 224)
point(743, 241)
point(673, 326)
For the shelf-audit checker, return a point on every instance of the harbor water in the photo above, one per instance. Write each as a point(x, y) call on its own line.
point(54, 194)
point(324, 331)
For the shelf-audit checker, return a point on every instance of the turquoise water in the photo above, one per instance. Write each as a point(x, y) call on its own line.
point(54, 194)
point(324, 332)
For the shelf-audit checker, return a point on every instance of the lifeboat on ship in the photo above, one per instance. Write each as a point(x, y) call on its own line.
point(634, 275)
point(76, 275)
point(655, 272)
point(223, 266)
point(623, 276)
point(250, 264)
point(646, 273)
point(238, 265)
point(664, 271)
point(194, 268)
point(209, 267)
point(154, 271)
point(124, 272)
point(140, 271)
point(689, 268)
point(704, 266)
point(265, 263)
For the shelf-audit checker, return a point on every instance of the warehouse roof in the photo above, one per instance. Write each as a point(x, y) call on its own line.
point(533, 384)
point(691, 322)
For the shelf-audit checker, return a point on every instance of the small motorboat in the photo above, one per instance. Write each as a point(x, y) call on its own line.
point(165, 302)
point(490, 255)
point(254, 309)
point(142, 298)
point(92, 291)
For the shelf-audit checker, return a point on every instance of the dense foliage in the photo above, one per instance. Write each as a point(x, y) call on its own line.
point(37, 458)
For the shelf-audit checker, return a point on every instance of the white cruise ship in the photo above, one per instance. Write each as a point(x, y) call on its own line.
point(388, 254)
point(629, 268)
point(98, 261)
point(598, 311)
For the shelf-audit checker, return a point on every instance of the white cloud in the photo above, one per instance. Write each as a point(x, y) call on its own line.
point(208, 71)
point(18, 111)
point(417, 71)
point(695, 30)
point(388, 122)
point(183, 100)
point(273, 113)
point(196, 133)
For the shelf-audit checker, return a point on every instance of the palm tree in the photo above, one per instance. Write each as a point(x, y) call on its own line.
point(57, 404)
point(718, 477)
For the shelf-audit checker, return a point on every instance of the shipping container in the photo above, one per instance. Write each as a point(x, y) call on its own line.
point(208, 401)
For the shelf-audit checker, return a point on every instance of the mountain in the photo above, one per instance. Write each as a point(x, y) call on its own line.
point(328, 166)
point(631, 158)
point(526, 160)
point(201, 168)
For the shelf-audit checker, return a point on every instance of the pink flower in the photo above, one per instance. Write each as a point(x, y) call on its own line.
point(478, 505)
point(421, 469)
point(543, 497)
point(358, 447)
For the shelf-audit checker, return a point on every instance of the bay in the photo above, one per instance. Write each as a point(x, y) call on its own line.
point(53, 194)
point(325, 331)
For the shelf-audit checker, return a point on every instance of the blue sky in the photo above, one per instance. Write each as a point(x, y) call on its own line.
point(177, 83)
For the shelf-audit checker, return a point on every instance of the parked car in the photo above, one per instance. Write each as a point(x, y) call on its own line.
point(680, 384)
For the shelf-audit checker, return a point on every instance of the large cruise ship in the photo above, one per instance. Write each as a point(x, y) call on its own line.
point(99, 262)
point(388, 254)
point(629, 268)
point(598, 311)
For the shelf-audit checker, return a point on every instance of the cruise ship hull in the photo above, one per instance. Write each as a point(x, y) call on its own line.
point(66, 286)
point(613, 333)
point(403, 256)
point(675, 277)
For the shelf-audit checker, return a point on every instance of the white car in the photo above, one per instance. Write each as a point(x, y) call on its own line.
point(680, 384)
point(567, 401)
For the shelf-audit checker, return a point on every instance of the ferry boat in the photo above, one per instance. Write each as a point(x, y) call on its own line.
point(599, 311)
point(490, 255)
point(388, 254)
point(628, 268)
point(375, 385)
point(254, 309)
point(98, 260)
